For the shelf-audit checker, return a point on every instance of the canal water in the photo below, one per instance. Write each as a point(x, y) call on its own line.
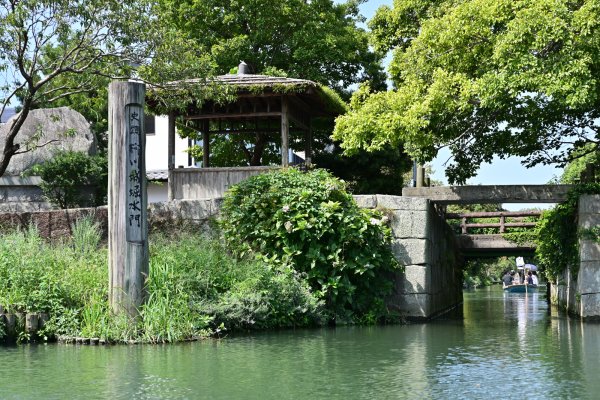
point(500, 346)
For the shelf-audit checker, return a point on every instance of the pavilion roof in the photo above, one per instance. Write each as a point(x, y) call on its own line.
point(321, 99)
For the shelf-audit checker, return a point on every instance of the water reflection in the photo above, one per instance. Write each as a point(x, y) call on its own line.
point(500, 345)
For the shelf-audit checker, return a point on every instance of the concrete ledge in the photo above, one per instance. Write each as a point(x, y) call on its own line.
point(490, 243)
point(491, 194)
point(402, 203)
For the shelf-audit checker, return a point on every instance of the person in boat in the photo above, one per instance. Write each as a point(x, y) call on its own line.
point(534, 278)
point(529, 278)
point(507, 279)
point(516, 278)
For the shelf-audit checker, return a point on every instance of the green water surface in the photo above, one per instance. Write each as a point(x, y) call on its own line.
point(500, 346)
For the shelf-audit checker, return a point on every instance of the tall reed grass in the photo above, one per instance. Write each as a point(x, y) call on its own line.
point(194, 287)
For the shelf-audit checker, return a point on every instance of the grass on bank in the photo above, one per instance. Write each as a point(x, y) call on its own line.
point(194, 288)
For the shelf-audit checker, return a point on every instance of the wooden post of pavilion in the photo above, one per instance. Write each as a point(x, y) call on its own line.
point(127, 198)
point(171, 155)
point(420, 175)
point(308, 144)
point(205, 144)
point(285, 132)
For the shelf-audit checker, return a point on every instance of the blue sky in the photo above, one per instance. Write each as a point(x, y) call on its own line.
point(499, 172)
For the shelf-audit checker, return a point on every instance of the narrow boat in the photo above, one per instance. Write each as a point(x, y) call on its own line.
point(521, 288)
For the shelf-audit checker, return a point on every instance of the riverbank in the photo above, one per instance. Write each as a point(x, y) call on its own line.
point(195, 290)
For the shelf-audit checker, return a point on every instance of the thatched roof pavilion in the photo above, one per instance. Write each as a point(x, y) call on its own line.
point(256, 104)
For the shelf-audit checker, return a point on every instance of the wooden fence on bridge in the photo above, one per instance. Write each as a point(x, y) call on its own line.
point(515, 220)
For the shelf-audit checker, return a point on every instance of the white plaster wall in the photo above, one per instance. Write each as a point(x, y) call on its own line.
point(157, 192)
point(157, 146)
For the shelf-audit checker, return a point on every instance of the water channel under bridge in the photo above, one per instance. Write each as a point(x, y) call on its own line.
point(577, 292)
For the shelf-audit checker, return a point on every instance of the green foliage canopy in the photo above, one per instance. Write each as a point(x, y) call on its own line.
point(485, 78)
point(316, 40)
point(558, 234)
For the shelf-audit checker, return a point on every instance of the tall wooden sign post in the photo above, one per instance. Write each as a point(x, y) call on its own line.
point(127, 200)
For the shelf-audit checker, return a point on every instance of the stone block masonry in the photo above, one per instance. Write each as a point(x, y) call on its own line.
point(431, 282)
point(55, 224)
point(580, 295)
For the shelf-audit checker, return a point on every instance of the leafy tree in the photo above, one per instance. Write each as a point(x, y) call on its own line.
point(317, 40)
point(63, 52)
point(74, 179)
point(41, 41)
point(573, 170)
point(380, 172)
point(485, 78)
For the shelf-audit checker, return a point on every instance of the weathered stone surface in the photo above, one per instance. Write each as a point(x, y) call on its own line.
point(589, 250)
point(590, 306)
point(414, 279)
point(491, 194)
point(411, 251)
point(195, 210)
point(589, 277)
point(54, 124)
point(365, 201)
point(588, 220)
point(21, 194)
point(410, 224)
point(414, 305)
point(402, 203)
point(589, 204)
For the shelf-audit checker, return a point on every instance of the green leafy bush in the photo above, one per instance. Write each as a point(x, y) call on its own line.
point(73, 179)
point(309, 222)
point(272, 298)
point(557, 234)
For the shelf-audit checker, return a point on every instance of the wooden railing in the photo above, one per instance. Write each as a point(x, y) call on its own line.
point(502, 225)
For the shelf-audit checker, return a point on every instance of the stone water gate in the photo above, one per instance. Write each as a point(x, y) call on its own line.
point(578, 293)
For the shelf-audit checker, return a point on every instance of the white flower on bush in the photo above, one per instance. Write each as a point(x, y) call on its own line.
point(288, 226)
point(285, 208)
point(330, 186)
point(375, 221)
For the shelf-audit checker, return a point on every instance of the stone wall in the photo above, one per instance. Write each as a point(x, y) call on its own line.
point(431, 283)
point(22, 195)
point(54, 224)
point(581, 295)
